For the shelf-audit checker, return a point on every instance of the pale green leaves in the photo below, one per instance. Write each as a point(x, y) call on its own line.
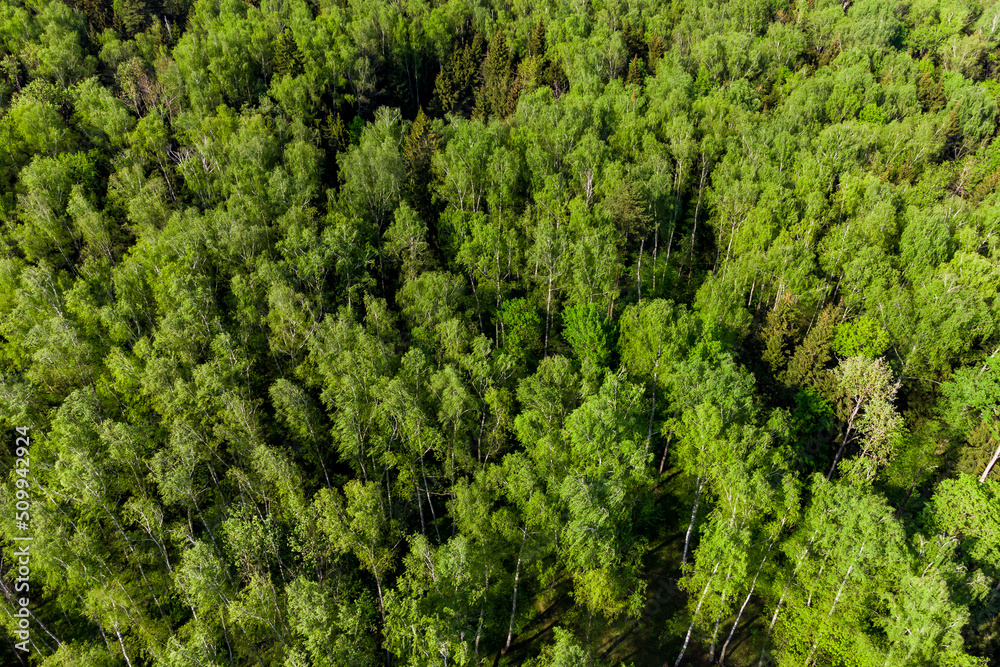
point(870, 391)
point(357, 522)
point(861, 337)
point(102, 115)
point(374, 171)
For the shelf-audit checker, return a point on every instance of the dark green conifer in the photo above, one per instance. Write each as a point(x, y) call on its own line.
point(454, 86)
point(930, 92)
point(497, 95)
point(287, 58)
point(536, 46)
point(634, 45)
point(656, 50)
point(635, 75)
point(419, 147)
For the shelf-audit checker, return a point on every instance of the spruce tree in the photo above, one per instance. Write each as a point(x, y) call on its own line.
point(419, 146)
point(656, 50)
point(635, 74)
point(536, 46)
point(498, 94)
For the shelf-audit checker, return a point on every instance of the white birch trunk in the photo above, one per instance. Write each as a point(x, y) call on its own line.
point(687, 637)
point(694, 515)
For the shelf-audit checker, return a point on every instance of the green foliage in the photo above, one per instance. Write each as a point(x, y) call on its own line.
point(605, 492)
point(374, 170)
point(965, 509)
point(498, 94)
point(872, 113)
point(850, 548)
point(812, 412)
point(362, 333)
point(406, 240)
point(421, 144)
point(861, 337)
point(656, 335)
point(455, 84)
point(521, 328)
point(869, 414)
point(589, 333)
point(333, 633)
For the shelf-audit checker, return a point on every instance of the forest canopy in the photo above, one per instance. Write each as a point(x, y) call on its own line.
point(469, 332)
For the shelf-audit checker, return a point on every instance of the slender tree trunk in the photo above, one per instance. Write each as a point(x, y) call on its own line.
point(753, 586)
point(770, 628)
point(687, 637)
point(847, 434)
point(694, 515)
point(548, 316)
point(482, 613)
point(989, 466)
point(816, 313)
point(482, 427)
point(614, 292)
point(674, 214)
point(638, 271)
point(105, 636)
point(652, 414)
point(715, 633)
point(673, 226)
point(656, 246)
point(225, 631)
point(479, 308)
point(666, 448)
point(784, 592)
point(809, 600)
point(319, 457)
point(381, 600)
point(9, 595)
point(128, 543)
point(718, 617)
point(388, 492)
point(652, 403)
point(210, 533)
point(420, 505)
point(697, 209)
point(122, 644)
point(431, 504)
point(513, 604)
point(833, 607)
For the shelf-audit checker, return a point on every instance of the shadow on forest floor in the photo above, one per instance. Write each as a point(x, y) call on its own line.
point(646, 642)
